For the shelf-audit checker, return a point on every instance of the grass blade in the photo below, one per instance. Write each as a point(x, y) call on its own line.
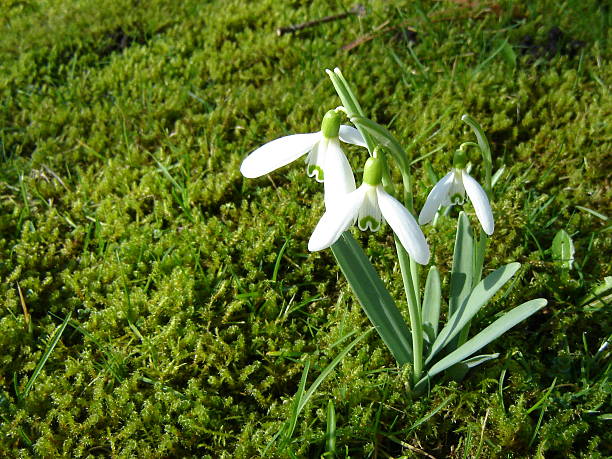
point(43, 359)
point(373, 297)
point(330, 432)
point(329, 368)
point(278, 260)
point(295, 411)
point(302, 398)
point(492, 332)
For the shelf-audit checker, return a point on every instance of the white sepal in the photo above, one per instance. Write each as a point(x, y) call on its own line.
point(439, 195)
point(278, 153)
point(404, 225)
point(348, 134)
point(335, 221)
point(480, 201)
point(339, 179)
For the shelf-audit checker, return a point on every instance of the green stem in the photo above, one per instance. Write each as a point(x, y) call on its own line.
point(416, 323)
point(409, 269)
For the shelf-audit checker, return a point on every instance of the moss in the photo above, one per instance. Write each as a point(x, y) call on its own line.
point(122, 128)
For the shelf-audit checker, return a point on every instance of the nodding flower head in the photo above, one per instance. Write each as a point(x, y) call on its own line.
point(370, 205)
point(452, 189)
point(282, 151)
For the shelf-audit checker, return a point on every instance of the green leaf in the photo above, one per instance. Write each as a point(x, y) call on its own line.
point(431, 304)
point(382, 135)
point(563, 249)
point(492, 332)
point(599, 292)
point(508, 54)
point(485, 150)
point(463, 264)
point(477, 360)
point(478, 298)
point(373, 297)
point(330, 432)
point(458, 371)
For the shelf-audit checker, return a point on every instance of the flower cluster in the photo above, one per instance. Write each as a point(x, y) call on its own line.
point(369, 205)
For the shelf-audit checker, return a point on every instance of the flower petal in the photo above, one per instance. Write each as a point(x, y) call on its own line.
point(436, 197)
point(480, 201)
point(335, 221)
point(313, 166)
point(277, 154)
point(404, 225)
point(369, 215)
point(339, 178)
point(348, 134)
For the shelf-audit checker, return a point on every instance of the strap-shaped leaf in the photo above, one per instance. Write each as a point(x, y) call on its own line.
point(373, 297)
point(485, 150)
point(480, 246)
point(431, 304)
point(492, 332)
point(478, 298)
point(463, 265)
point(382, 135)
point(458, 371)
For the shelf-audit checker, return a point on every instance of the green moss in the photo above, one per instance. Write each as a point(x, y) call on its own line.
point(122, 128)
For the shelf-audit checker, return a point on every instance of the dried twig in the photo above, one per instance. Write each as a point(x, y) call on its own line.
point(26, 314)
point(357, 10)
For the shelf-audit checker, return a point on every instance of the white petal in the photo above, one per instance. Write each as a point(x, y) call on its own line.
point(336, 221)
point(436, 197)
point(480, 201)
point(348, 134)
point(278, 153)
point(339, 179)
point(404, 225)
point(314, 168)
point(369, 215)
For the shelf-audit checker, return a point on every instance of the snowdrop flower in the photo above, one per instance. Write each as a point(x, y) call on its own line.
point(318, 145)
point(370, 205)
point(451, 190)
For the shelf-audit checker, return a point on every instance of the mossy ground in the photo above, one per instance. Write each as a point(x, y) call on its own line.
point(122, 128)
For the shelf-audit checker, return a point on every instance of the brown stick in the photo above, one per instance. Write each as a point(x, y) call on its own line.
point(358, 10)
point(26, 314)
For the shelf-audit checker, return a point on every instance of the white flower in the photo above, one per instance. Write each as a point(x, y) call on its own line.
point(285, 150)
point(451, 190)
point(370, 205)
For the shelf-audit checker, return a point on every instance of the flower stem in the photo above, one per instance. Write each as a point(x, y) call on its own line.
point(416, 322)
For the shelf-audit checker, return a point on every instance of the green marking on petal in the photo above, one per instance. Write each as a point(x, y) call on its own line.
point(457, 199)
point(315, 171)
point(369, 222)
